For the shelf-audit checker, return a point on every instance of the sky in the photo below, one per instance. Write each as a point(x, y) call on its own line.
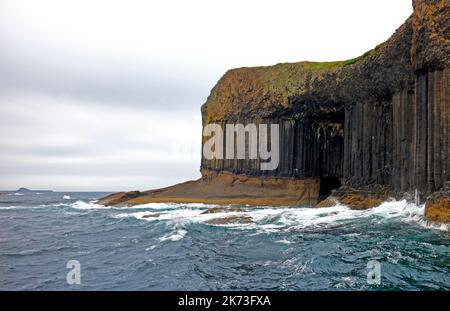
point(105, 95)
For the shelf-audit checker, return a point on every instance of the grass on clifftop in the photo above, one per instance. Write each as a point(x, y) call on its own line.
point(263, 87)
point(337, 64)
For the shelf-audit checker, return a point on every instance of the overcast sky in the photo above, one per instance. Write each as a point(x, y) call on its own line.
point(106, 95)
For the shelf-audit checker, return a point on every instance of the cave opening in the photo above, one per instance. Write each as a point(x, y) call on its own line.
point(327, 184)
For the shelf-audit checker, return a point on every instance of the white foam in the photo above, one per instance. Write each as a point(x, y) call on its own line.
point(12, 207)
point(8, 207)
point(53, 205)
point(88, 205)
point(174, 236)
point(406, 212)
point(179, 216)
point(159, 206)
point(284, 241)
point(272, 219)
point(66, 197)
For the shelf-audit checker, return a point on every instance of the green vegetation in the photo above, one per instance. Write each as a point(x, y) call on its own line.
point(266, 86)
point(323, 65)
point(357, 59)
point(337, 64)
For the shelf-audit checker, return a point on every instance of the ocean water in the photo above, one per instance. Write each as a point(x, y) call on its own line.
point(172, 247)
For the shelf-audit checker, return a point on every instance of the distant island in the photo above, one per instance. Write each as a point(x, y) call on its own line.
point(26, 190)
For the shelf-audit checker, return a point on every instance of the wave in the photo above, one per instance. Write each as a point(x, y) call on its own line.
point(271, 219)
point(88, 205)
point(174, 235)
point(153, 206)
point(19, 207)
point(163, 206)
point(8, 207)
point(268, 219)
point(92, 205)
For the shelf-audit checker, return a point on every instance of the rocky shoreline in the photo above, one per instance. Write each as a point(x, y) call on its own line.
point(225, 188)
point(356, 131)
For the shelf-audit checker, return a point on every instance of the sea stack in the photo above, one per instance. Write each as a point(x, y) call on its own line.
point(368, 128)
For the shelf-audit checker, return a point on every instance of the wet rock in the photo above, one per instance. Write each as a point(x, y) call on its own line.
point(437, 207)
point(153, 215)
point(328, 202)
point(361, 199)
point(118, 198)
point(230, 220)
point(360, 202)
point(214, 210)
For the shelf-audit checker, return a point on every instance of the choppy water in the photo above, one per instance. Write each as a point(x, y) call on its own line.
point(282, 249)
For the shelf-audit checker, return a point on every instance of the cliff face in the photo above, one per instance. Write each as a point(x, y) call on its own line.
point(373, 126)
point(430, 48)
point(380, 119)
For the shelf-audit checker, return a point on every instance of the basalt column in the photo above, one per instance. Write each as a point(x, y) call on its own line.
point(308, 147)
point(404, 140)
point(368, 143)
point(432, 128)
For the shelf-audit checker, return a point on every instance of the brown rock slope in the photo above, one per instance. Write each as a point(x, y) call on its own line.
point(226, 188)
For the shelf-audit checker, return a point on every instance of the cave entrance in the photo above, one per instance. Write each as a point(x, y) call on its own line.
point(327, 184)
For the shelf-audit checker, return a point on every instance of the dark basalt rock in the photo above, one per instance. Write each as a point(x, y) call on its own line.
point(215, 210)
point(153, 215)
point(380, 119)
point(230, 220)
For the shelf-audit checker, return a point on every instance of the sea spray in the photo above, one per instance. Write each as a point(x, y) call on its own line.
point(176, 247)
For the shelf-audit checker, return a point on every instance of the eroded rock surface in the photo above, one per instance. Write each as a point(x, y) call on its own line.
point(225, 188)
point(437, 206)
point(215, 210)
point(230, 220)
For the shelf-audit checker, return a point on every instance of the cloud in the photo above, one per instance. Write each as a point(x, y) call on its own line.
point(46, 136)
point(106, 94)
point(101, 78)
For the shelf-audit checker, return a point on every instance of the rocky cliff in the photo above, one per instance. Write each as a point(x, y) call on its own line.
point(379, 121)
point(381, 118)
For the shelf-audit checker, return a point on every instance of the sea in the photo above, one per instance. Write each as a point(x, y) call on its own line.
point(65, 241)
